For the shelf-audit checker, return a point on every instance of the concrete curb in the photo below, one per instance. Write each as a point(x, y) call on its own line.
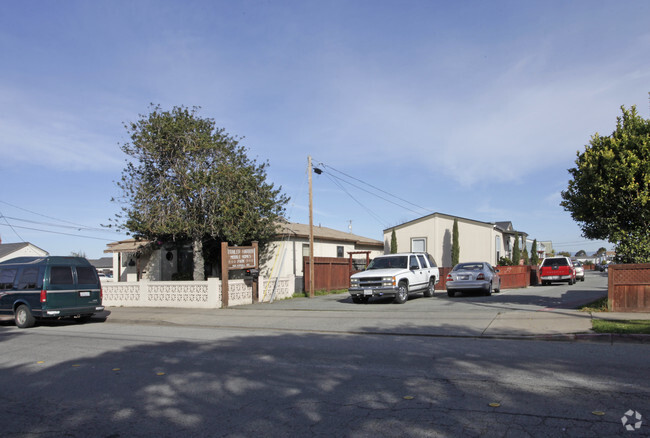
point(610, 338)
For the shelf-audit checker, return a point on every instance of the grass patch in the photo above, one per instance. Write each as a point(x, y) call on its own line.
point(318, 293)
point(599, 305)
point(638, 327)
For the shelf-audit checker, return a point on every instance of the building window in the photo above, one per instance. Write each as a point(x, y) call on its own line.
point(305, 250)
point(419, 244)
point(339, 251)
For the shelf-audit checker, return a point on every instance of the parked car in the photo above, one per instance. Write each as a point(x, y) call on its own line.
point(557, 269)
point(105, 277)
point(32, 288)
point(580, 271)
point(395, 275)
point(474, 276)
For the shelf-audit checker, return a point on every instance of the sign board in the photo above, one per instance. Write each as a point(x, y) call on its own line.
point(242, 257)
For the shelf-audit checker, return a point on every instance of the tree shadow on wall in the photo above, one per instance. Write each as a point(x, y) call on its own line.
point(446, 249)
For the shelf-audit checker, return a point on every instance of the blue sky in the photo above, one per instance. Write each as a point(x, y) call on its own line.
point(469, 108)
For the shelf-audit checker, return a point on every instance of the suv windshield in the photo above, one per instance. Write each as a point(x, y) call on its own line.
point(400, 262)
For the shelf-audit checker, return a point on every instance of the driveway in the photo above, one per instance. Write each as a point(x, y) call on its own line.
point(534, 311)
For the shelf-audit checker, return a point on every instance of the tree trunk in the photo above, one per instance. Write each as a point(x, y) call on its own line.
point(197, 251)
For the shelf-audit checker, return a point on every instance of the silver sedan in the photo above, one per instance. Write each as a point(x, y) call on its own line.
point(475, 276)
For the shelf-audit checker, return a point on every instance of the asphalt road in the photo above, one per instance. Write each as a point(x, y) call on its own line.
point(141, 380)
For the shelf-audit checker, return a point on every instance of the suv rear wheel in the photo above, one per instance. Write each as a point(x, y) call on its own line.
point(431, 288)
point(23, 317)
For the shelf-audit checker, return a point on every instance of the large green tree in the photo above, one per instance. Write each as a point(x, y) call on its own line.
point(609, 192)
point(393, 242)
point(186, 179)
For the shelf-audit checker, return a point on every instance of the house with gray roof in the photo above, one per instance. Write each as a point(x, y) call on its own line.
point(135, 260)
point(21, 249)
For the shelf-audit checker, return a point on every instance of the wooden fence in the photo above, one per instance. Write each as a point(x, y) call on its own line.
point(629, 287)
point(332, 273)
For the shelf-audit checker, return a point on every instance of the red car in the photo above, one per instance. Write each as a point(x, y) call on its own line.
point(557, 269)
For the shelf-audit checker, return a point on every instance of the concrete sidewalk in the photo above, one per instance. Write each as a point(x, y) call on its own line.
point(546, 324)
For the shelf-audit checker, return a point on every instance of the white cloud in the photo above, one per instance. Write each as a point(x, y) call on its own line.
point(38, 133)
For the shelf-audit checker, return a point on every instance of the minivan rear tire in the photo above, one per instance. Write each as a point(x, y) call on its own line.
point(23, 317)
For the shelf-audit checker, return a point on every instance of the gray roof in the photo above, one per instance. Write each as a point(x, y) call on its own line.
point(504, 225)
point(9, 248)
point(102, 263)
point(324, 233)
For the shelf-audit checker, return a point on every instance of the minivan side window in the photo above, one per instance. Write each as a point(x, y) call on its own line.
point(86, 275)
point(7, 277)
point(61, 275)
point(29, 278)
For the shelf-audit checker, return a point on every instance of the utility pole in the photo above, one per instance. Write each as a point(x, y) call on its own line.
point(311, 232)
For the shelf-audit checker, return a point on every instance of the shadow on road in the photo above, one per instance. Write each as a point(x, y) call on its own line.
point(308, 385)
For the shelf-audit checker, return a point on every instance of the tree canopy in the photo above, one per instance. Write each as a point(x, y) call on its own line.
point(187, 179)
point(609, 192)
point(581, 253)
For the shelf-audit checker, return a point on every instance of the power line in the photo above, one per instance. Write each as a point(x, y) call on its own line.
point(374, 194)
point(72, 227)
point(372, 213)
point(338, 180)
point(50, 217)
point(423, 209)
point(55, 232)
point(12, 228)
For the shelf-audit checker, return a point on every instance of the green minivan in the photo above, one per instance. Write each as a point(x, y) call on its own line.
point(33, 288)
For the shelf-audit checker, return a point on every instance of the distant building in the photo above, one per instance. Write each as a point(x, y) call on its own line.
point(548, 246)
point(22, 249)
point(541, 249)
point(479, 241)
point(144, 260)
point(103, 265)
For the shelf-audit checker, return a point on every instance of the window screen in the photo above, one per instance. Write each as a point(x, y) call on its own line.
point(7, 277)
point(418, 245)
point(29, 279)
point(61, 275)
point(86, 275)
